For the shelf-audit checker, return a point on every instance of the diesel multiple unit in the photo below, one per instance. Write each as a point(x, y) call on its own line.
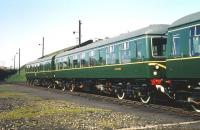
point(158, 60)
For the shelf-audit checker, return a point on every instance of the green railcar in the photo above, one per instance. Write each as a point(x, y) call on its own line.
point(183, 58)
point(135, 59)
point(131, 64)
point(40, 71)
point(138, 64)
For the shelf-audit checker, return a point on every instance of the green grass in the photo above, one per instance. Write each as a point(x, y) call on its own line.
point(37, 112)
point(45, 108)
point(16, 78)
point(37, 107)
point(10, 94)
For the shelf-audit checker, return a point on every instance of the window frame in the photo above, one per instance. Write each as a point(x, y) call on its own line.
point(82, 55)
point(152, 47)
point(125, 45)
point(91, 53)
point(174, 53)
point(192, 53)
point(137, 46)
point(110, 49)
point(195, 30)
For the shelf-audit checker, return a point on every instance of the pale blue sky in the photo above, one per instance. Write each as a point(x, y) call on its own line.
point(23, 23)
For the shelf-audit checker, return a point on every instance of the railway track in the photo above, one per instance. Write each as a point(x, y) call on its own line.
point(136, 104)
point(169, 109)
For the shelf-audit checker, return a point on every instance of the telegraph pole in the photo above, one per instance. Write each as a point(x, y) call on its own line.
point(79, 32)
point(43, 47)
point(19, 61)
point(14, 61)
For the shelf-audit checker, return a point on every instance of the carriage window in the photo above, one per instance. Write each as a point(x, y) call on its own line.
point(110, 49)
point(92, 59)
point(197, 30)
point(83, 61)
point(195, 41)
point(159, 46)
point(139, 50)
point(83, 55)
point(75, 62)
point(49, 65)
point(91, 54)
point(102, 56)
point(195, 46)
point(110, 55)
point(65, 63)
point(60, 65)
point(176, 46)
point(125, 46)
point(125, 53)
point(70, 64)
point(56, 64)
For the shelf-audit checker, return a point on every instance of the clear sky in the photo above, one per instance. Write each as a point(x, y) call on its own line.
point(23, 23)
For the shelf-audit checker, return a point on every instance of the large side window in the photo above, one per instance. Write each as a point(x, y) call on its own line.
point(102, 56)
point(65, 62)
point(125, 53)
point(195, 41)
point(93, 57)
point(61, 63)
point(75, 61)
point(133, 50)
point(70, 62)
point(110, 55)
point(49, 65)
point(197, 30)
point(57, 63)
point(45, 66)
point(176, 46)
point(139, 50)
point(195, 46)
point(83, 60)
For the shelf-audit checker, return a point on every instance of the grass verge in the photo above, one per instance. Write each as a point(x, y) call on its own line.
point(23, 110)
point(16, 78)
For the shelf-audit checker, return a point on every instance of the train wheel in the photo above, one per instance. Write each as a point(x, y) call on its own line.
point(195, 104)
point(145, 95)
point(196, 107)
point(55, 85)
point(120, 94)
point(49, 85)
point(71, 88)
point(63, 87)
point(145, 99)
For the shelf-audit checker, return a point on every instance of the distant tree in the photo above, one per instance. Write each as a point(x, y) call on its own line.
point(5, 73)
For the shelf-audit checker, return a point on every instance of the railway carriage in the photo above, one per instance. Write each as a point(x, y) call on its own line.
point(183, 59)
point(131, 64)
point(39, 72)
point(158, 59)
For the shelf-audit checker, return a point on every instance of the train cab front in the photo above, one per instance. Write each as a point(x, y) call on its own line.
point(158, 65)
